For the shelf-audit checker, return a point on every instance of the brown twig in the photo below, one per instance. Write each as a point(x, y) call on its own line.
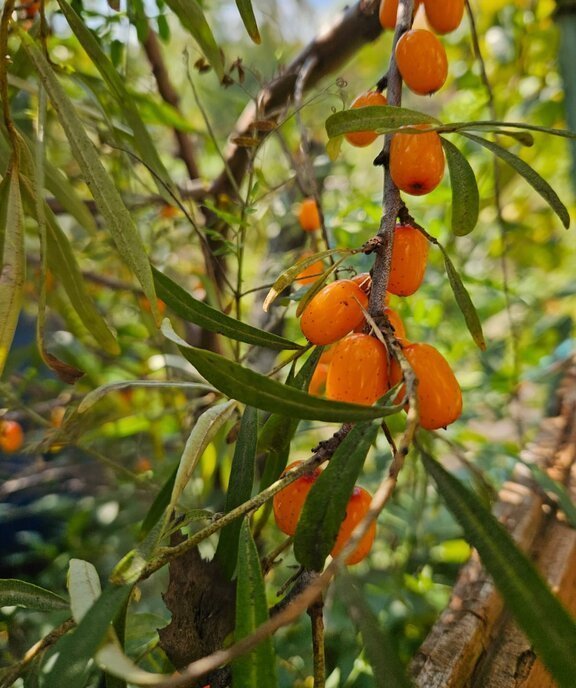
point(316, 614)
point(153, 51)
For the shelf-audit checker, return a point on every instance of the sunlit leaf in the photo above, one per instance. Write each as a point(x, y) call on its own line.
point(190, 14)
point(84, 587)
point(464, 302)
point(325, 507)
point(13, 266)
point(256, 390)
point(378, 118)
point(192, 310)
point(118, 220)
point(537, 182)
point(543, 619)
point(465, 197)
point(239, 488)
point(100, 392)
point(111, 658)
point(258, 667)
point(18, 593)
point(203, 432)
point(290, 275)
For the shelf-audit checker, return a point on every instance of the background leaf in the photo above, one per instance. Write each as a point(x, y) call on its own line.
point(18, 593)
point(190, 309)
point(190, 13)
point(465, 197)
point(540, 615)
point(325, 507)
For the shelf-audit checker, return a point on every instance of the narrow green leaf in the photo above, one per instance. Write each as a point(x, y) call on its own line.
point(18, 593)
point(325, 506)
point(378, 644)
point(4, 195)
point(84, 587)
point(239, 488)
point(378, 118)
point(76, 649)
point(103, 188)
point(202, 434)
point(190, 14)
point(62, 263)
point(96, 394)
point(142, 139)
point(190, 309)
point(333, 147)
point(464, 302)
point(465, 196)
point(289, 275)
point(13, 265)
point(158, 506)
point(247, 14)
point(256, 390)
point(522, 137)
point(538, 612)
point(488, 125)
point(537, 182)
point(257, 668)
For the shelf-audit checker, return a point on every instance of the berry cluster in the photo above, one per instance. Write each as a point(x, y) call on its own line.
point(358, 367)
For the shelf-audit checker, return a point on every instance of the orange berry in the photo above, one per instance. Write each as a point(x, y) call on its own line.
point(143, 464)
point(57, 416)
point(357, 508)
point(422, 61)
point(416, 162)
point(365, 138)
point(169, 211)
point(396, 322)
point(11, 436)
point(326, 355)
point(444, 15)
point(389, 11)
point(364, 281)
point(409, 256)
point(288, 503)
point(333, 312)
point(308, 215)
point(317, 383)
point(311, 273)
point(145, 305)
point(358, 372)
point(438, 392)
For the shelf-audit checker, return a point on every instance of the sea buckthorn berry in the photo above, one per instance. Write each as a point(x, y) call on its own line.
point(364, 281)
point(422, 61)
point(311, 273)
point(416, 162)
point(444, 15)
point(317, 383)
point(438, 392)
point(308, 215)
point(389, 11)
point(365, 138)
point(358, 372)
point(409, 256)
point(357, 508)
point(288, 503)
point(333, 312)
point(396, 322)
point(11, 436)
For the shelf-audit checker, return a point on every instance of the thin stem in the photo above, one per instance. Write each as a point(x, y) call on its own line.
point(316, 614)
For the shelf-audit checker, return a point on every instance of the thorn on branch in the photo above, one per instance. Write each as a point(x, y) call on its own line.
point(382, 159)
